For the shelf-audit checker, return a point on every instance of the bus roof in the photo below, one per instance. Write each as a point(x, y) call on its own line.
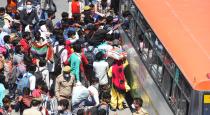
point(183, 27)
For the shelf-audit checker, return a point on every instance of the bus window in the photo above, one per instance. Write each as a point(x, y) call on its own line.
point(183, 106)
point(134, 10)
point(150, 36)
point(169, 64)
point(166, 83)
point(141, 42)
point(146, 50)
point(124, 5)
point(185, 86)
point(159, 48)
point(136, 41)
point(132, 29)
point(174, 96)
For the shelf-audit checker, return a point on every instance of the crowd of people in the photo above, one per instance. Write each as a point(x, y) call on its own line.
point(62, 68)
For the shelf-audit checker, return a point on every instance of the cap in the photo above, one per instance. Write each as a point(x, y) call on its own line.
point(66, 69)
point(86, 8)
point(37, 99)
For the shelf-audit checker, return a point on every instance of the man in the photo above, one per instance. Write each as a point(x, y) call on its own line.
point(5, 19)
point(100, 67)
point(28, 16)
point(137, 105)
point(49, 23)
point(64, 84)
point(75, 60)
point(34, 110)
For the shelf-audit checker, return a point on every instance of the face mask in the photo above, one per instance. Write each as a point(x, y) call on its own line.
point(28, 7)
point(66, 75)
point(133, 106)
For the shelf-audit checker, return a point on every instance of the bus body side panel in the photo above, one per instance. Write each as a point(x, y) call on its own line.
point(143, 83)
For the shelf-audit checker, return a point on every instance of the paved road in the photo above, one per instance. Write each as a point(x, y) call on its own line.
point(62, 5)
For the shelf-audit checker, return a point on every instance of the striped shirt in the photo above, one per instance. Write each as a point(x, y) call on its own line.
point(51, 104)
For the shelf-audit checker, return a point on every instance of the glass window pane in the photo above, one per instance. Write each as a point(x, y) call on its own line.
point(166, 83)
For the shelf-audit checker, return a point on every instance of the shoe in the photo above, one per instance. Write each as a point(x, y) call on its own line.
point(112, 109)
point(125, 106)
point(121, 109)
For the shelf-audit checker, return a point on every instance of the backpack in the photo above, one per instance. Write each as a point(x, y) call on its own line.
point(39, 76)
point(90, 55)
point(15, 75)
point(2, 22)
point(24, 81)
point(57, 61)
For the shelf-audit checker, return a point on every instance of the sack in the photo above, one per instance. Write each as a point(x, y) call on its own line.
point(24, 81)
point(39, 76)
point(90, 56)
point(116, 54)
point(57, 61)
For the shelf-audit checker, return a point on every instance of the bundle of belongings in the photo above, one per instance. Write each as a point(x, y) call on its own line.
point(116, 53)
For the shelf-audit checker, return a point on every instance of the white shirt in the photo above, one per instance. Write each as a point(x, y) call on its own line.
point(64, 54)
point(32, 82)
point(100, 68)
point(94, 91)
point(45, 75)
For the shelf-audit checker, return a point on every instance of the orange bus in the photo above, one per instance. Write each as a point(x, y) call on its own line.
point(172, 39)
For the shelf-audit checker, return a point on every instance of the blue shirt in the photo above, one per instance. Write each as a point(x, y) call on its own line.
point(2, 93)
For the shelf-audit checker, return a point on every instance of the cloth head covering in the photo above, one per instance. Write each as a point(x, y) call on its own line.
point(66, 69)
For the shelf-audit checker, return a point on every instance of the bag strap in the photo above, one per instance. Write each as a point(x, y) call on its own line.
point(58, 53)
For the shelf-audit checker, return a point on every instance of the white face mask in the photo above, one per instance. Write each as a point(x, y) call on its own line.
point(28, 7)
point(133, 106)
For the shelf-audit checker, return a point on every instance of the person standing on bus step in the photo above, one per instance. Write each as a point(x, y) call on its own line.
point(137, 106)
point(119, 85)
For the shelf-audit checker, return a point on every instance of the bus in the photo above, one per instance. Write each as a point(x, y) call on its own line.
point(172, 40)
